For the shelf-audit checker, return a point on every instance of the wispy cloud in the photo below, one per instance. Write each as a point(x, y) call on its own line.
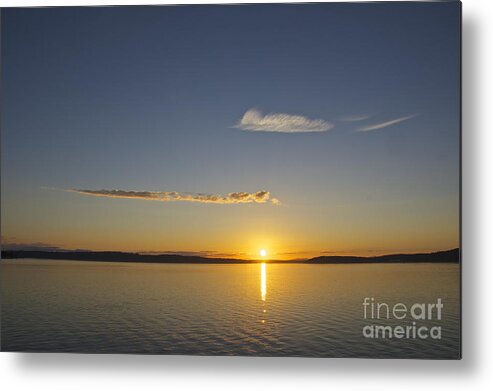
point(254, 121)
point(385, 124)
point(260, 197)
point(355, 118)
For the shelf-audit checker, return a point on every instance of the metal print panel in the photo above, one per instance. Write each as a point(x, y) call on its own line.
point(262, 180)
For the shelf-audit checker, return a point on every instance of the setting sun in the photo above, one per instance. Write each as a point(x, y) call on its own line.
point(263, 253)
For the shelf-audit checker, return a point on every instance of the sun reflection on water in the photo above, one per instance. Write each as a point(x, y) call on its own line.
point(263, 290)
point(263, 281)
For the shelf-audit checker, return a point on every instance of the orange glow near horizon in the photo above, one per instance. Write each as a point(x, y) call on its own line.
point(260, 244)
point(240, 232)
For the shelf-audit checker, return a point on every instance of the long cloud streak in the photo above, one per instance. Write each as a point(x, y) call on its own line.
point(254, 121)
point(259, 197)
point(385, 124)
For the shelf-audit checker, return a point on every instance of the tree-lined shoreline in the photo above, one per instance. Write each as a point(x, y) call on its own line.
point(447, 256)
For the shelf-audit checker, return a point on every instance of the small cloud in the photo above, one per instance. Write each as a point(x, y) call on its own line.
point(259, 197)
point(385, 124)
point(355, 118)
point(254, 121)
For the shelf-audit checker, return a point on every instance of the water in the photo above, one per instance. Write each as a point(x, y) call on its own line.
point(254, 309)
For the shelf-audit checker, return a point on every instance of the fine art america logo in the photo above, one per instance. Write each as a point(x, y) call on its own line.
point(407, 320)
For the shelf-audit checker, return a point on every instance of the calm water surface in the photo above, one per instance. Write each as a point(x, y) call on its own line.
point(255, 309)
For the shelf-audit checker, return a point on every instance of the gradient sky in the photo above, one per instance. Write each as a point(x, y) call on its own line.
point(152, 99)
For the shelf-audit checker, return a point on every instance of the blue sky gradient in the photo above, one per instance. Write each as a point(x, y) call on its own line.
point(147, 98)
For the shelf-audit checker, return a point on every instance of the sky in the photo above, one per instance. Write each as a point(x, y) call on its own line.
point(304, 130)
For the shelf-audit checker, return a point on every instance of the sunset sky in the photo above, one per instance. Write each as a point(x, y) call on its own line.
point(221, 130)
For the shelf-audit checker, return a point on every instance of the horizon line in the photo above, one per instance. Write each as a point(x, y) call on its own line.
point(232, 258)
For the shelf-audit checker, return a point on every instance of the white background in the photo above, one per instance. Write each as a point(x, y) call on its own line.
point(475, 371)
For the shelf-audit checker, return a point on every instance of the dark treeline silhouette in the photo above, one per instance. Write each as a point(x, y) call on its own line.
point(449, 256)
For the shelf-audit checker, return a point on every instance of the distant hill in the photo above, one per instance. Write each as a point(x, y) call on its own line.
point(114, 256)
point(450, 256)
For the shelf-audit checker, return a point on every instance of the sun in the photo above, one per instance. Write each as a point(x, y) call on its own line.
point(263, 253)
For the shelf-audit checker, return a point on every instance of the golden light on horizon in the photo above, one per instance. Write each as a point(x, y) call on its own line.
point(263, 253)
